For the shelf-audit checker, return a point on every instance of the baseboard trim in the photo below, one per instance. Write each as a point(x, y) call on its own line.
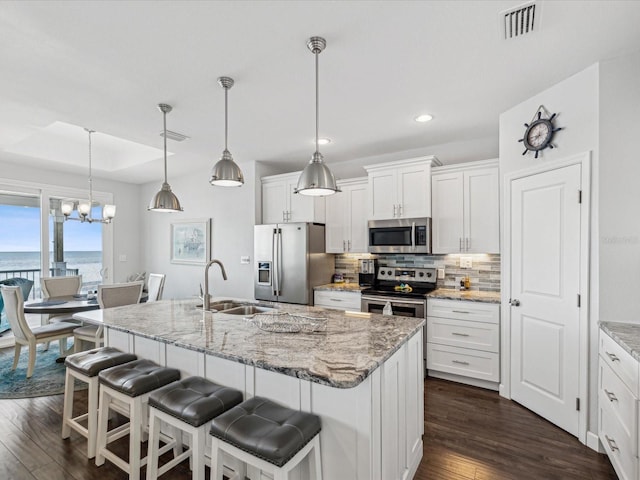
point(474, 382)
point(593, 442)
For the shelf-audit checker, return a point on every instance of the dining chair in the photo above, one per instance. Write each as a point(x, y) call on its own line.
point(24, 335)
point(155, 287)
point(60, 286)
point(116, 295)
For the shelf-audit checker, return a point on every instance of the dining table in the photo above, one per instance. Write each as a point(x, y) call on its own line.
point(66, 305)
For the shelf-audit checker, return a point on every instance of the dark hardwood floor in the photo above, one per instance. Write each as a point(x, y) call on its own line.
point(470, 434)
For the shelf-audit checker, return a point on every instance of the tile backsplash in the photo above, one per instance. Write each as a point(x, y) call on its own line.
point(484, 272)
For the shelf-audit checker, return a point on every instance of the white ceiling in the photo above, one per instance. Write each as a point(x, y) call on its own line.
point(107, 64)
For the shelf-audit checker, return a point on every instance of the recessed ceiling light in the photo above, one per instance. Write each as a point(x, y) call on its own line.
point(424, 118)
point(324, 141)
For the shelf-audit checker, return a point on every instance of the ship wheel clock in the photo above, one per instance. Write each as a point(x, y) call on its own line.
point(539, 133)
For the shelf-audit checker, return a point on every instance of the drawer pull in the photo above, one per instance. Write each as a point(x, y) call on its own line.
point(460, 334)
point(460, 362)
point(612, 443)
point(459, 311)
point(612, 356)
point(335, 299)
point(611, 395)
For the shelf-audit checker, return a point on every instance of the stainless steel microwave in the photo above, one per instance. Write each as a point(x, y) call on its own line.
point(402, 235)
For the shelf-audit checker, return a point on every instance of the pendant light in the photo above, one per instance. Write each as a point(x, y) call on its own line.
point(165, 200)
point(316, 178)
point(226, 173)
point(84, 208)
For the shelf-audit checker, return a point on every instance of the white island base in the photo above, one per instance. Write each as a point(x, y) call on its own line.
point(371, 431)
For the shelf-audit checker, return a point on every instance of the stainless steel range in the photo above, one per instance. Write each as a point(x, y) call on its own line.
point(404, 288)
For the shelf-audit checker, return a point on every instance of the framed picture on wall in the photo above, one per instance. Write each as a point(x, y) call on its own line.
point(191, 241)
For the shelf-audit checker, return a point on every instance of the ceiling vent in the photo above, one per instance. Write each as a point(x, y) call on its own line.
point(519, 21)
point(178, 137)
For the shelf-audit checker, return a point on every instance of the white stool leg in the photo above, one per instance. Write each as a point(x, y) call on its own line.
point(197, 453)
point(67, 410)
point(217, 466)
point(103, 419)
point(154, 439)
point(135, 438)
point(176, 434)
point(92, 417)
point(315, 460)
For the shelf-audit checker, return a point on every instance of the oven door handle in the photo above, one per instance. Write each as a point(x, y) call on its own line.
point(392, 300)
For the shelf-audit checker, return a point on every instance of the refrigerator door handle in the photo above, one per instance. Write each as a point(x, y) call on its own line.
point(274, 248)
point(279, 273)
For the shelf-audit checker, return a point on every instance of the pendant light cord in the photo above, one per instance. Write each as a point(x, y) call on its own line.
point(90, 178)
point(164, 117)
point(317, 103)
point(226, 118)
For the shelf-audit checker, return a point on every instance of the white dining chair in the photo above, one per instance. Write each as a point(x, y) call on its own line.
point(155, 287)
point(31, 337)
point(109, 296)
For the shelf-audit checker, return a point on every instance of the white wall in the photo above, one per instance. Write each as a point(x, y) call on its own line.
point(126, 233)
point(233, 212)
point(619, 240)
point(576, 102)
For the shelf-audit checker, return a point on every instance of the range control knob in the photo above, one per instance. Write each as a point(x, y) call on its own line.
point(388, 272)
point(429, 274)
point(381, 272)
point(421, 274)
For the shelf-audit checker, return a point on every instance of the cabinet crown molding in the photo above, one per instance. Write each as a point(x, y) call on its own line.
point(466, 166)
point(432, 159)
point(280, 176)
point(351, 181)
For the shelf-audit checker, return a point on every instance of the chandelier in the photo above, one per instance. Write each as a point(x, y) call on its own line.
point(84, 207)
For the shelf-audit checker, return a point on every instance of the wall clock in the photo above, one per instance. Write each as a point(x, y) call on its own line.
point(539, 133)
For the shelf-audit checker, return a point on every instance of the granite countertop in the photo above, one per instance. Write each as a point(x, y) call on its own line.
point(340, 287)
point(467, 295)
point(353, 346)
point(627, 335)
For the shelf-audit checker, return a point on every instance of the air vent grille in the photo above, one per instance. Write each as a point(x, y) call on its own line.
point(519, 21)
point(178, 137)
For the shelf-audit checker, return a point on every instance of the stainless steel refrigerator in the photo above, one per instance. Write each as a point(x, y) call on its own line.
point(290, 260)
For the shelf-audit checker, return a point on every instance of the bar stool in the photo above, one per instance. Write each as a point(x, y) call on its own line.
point(268, 436)
point(86, 366)
point(128, 386)
point(187, 405)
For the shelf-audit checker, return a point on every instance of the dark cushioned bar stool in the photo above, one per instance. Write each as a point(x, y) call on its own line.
point(86, 366)
point(188, 405)
point(128, 386)
point(268, 436)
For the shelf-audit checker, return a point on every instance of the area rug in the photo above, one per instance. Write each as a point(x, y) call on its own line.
point(47, 378)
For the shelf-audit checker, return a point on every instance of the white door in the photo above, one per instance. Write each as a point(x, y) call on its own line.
point(545, 283)
point(382, 195)
point(357, 221)
point(335, 225)
point(273, 202)
point(414, 191)
point(482, 211)
point(448, 211)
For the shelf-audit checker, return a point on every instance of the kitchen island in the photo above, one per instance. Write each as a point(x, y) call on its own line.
point(363, 375)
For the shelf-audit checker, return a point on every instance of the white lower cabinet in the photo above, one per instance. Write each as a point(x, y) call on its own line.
point(618, 407)
point(463, 341)
point(337, 299)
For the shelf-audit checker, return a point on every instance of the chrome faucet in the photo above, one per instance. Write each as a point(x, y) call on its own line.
point(206, 298)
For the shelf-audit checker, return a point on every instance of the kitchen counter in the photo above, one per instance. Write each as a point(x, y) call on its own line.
point(342, 357)
point(466, 295)
point(340, 287)
point(627, 335)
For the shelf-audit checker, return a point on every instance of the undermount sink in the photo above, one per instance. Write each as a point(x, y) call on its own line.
point(224, 305)
point(247, 310)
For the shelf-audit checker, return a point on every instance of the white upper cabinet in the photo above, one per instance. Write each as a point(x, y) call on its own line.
point(400, 189)
point(346, 225)
point(281, 205)
point(466, 208)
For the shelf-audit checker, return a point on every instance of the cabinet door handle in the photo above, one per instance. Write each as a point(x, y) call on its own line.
point(460, 334)
point(611, 395)
point(460, 362)
point(395, 207)
point(284, 215)
point(612, 356)
point(612, 443)
point(459, 311)
point(468, 243)
point(336, 299)
point(348, 245)
point(460, 243)
point(399, 209)
point(344, 246)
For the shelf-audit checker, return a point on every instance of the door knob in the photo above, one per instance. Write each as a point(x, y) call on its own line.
point(515, 302)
